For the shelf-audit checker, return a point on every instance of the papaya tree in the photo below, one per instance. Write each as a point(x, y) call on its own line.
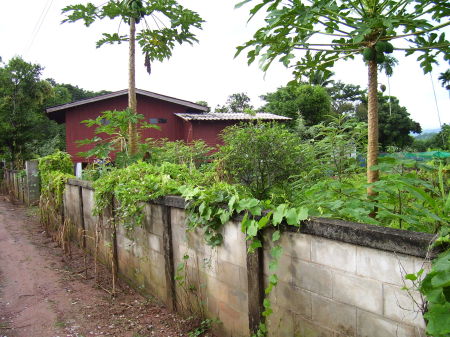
point(168, 24)
point(314, 34)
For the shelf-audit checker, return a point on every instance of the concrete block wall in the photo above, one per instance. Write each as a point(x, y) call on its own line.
point(216, 276)
point(24, 188)
point(335, 278)
point(141, 255)
point(333, 288)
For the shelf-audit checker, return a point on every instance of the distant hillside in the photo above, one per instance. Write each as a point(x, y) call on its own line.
point(425, 135)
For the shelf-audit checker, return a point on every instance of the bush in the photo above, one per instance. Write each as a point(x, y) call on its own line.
point(262, 156)
point(178, 152)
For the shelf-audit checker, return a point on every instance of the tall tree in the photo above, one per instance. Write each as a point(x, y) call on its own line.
point(345, 98)
point(22, 121)
point(312, 103)
point(395, 123)
point(173, 24)
point(340, 29)
point(238, 102)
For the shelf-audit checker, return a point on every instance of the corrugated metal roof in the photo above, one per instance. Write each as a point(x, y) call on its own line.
point(124, 92)
point(232, 116)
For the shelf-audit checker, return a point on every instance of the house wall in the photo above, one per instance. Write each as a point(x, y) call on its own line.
point(209, 131)
point(147, 106)
point(76, 131)
point(335, 278)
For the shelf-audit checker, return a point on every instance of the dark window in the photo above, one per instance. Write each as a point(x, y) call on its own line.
point(105, 121)
point(158, 120)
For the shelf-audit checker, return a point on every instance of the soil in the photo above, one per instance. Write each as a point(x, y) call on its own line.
point(44, 293)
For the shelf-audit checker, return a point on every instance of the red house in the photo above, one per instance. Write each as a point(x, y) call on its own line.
point(177, 119)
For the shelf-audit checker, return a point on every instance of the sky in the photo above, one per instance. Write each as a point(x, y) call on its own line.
point(206, 71)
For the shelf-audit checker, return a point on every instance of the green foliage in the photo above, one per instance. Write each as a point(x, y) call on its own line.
point(54, 171)
point(178, 152)
point(238, 102)
point(204, 327)
point(436, 288)
point(345, 97)
point(440, 140)
point(137, 183)
point(333, 30)
point(262, 156)
point(310, 102)
point(395, 124)
point(156, 42)
point(112, 135)
point(410, 196)
point(57, 162)
point(337, 144)
point(23, 126)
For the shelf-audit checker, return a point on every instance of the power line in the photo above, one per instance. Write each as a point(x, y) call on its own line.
point(38, 25)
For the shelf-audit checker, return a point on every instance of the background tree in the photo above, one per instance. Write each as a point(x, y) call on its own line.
point(204, 103)
point(173, 24)
point(238, 102)
point(345, 98)
point(23, 125)
point(311, 102)
point(436, 141)
point(395, 124)
point(333, 30)
point(445, 79)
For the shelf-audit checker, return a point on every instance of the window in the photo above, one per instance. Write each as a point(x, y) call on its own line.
point(157, 120)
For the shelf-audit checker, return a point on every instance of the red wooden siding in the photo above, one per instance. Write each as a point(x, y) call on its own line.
point(150, 107)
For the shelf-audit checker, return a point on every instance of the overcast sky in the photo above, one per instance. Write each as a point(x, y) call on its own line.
point(206, 71)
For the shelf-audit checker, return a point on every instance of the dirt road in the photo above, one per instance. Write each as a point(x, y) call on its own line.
point(44, 294)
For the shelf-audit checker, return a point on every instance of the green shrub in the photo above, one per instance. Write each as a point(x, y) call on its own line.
point(262, 156)
point(178, 152)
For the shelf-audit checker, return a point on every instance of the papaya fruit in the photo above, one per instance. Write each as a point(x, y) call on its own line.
point(381, 46)
point(380, 58)
point(389, 48)
point(369, 54)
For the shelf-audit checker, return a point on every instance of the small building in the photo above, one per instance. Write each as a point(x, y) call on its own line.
point(177, 119)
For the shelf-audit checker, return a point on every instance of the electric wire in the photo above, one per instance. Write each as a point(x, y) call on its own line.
point(437, 108)
point(38, 25)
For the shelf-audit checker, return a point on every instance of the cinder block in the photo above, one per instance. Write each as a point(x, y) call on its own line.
point(306, 328)
point(383, 266)
point(178, 217)
point(354, 290)
point(332, 253)
point(371, 325)
point(280, 323)
point(233, 249)
point(312, 277)
point(399, 305)
point(291, 298)
point(154, 242)
point(296, 245)
point(285, 268)
point(334, 315)
point(217, 289)
point(229, 273)
point(233, 321)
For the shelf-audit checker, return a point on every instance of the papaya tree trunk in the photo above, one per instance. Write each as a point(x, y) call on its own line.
point(372, 120)
point(132, 102)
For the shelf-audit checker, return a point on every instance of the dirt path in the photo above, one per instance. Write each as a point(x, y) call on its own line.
point(44, 294)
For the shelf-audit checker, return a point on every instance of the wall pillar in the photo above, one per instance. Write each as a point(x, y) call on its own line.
point(32, 181)
point(255, 276)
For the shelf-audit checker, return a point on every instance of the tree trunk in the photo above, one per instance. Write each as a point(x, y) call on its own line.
point(372, 120)
point(132, 103)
